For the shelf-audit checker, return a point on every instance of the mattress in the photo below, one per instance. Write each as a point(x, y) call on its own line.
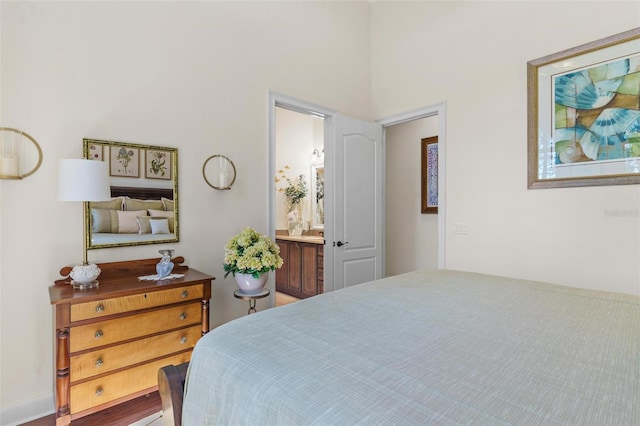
point(427, 347)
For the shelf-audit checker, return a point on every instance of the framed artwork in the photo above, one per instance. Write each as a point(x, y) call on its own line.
point(95, 152)
point(124, 161)
point(157, 164)
point(429, 184)
point(583, 125)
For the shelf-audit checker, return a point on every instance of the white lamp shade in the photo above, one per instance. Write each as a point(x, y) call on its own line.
point(83, 180)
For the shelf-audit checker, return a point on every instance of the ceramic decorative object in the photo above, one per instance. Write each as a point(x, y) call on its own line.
point(165, 266)
point(294, 221)
point(85, 276)
point(295, 191)
point(250, 285)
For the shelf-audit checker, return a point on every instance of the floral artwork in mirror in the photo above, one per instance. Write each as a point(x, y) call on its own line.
point(158, 164)
point(143, 208)
point(317, 196)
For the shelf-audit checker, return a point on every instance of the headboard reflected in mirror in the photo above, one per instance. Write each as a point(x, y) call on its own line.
point(143, 208)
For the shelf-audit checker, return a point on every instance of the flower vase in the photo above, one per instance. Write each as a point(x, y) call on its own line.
point(294, 221)
point(250, 285)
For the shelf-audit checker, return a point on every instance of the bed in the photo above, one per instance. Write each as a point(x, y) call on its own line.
point(133, 215)
point(426, 347)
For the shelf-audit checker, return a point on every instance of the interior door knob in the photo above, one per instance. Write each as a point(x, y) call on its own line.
point(340, 243)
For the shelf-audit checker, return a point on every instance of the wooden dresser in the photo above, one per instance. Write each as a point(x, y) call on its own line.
point(111, 341)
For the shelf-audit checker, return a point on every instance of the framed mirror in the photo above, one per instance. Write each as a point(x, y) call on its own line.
point(317, 196)
point(144, 195)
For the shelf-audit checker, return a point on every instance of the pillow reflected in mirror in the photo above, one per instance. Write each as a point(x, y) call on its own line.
point(113, 204)
point(159, 226)
point(132, 204)
point(103, 220)
point(162, 213)
point(127, 221)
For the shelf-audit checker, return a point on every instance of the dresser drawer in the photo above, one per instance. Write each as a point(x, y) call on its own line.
point(106, 332)
point(108, 388)
point(115, 357)
point(117, 305)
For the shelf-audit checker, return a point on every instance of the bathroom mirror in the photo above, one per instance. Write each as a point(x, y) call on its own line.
point(144, 195)
point(317, 196)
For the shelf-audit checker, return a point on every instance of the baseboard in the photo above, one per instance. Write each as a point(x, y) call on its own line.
point(22, 412)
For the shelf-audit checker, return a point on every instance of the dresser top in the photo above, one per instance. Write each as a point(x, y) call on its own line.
point(121, 279)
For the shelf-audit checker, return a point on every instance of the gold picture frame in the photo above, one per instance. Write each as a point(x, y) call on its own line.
point(583, 126)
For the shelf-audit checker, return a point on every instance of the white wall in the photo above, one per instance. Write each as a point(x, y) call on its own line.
point(411, 238)
point(473, 55)
point(191, 75)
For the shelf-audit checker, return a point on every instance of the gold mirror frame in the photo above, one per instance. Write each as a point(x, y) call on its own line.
point(150, 173)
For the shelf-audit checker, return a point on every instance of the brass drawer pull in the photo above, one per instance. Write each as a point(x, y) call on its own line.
point(100, 308)
point(99, 392)
point(183, 340)
point(99, 362)
point(185, 294)
point(183, 316)
point(99, 334)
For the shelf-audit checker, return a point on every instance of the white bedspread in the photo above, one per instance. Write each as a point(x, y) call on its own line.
point(425, 348)
point(98, 238)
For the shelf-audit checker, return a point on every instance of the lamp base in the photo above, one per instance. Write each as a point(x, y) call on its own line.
point(84, 276)
point(84, 286)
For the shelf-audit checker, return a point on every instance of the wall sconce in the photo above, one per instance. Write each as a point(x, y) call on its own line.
point(17, 155)
point(318, 157)
point(219, 172)
point(83, 180)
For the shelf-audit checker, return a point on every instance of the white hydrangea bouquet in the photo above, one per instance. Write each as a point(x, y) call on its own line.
point(251, 253)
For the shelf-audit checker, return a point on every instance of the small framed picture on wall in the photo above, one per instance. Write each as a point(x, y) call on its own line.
point(429, 184)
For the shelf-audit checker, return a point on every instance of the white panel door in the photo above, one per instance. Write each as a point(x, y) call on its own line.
point(358, 200)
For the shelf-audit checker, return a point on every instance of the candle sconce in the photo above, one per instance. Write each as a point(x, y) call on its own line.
point(219, 172)
point(17, 155)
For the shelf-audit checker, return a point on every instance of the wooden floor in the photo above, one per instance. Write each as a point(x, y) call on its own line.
point(122, 415)
point(132, 411)
point(283, 299)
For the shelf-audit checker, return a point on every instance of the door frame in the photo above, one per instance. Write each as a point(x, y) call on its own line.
point(283, 101)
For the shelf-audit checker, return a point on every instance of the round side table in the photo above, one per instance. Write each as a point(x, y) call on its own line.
point(251, 298)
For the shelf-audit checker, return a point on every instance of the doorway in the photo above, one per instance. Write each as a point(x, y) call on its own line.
point(436, 114)
point(296, 153)
point(299, 204)
point(410, 233)
point(330, 116)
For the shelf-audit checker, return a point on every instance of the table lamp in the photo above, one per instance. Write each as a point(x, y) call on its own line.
point(83, 180)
